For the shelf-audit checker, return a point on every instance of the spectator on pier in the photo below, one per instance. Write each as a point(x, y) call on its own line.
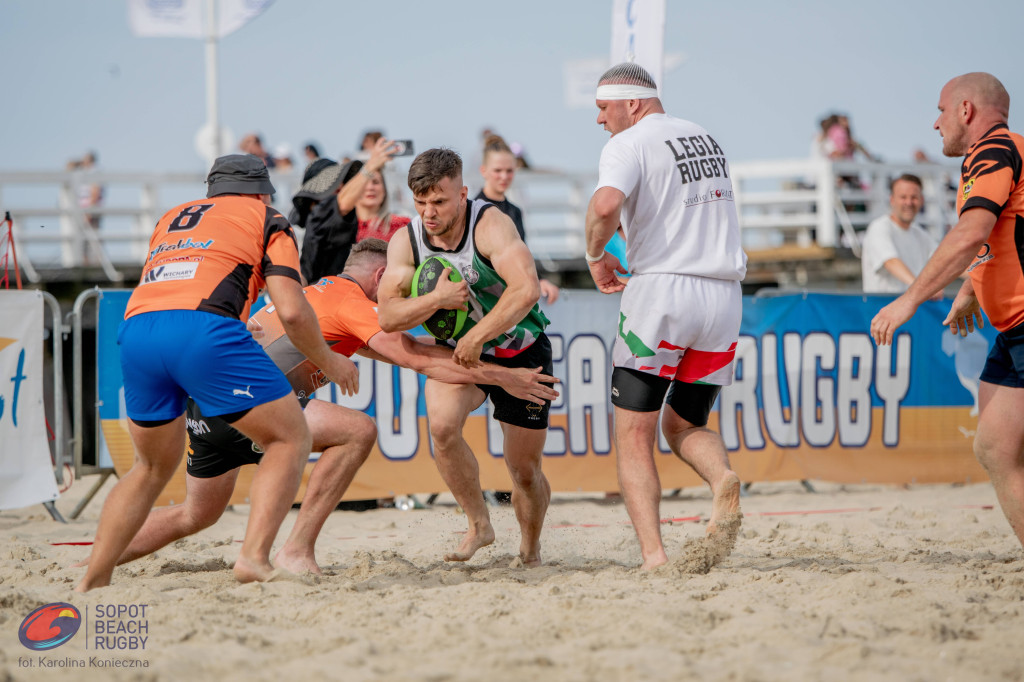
point(895, 247)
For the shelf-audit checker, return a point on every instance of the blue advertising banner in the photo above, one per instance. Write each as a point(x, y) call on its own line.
point(813, 398)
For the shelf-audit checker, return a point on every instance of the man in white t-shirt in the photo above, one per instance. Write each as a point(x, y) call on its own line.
point(667, 181)
point(895, 248)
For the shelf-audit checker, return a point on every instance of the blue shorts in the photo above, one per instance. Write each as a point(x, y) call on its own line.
point(169, 355)
point(1005, 363)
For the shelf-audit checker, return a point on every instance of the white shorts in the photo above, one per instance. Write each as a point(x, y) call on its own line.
point(679, 327)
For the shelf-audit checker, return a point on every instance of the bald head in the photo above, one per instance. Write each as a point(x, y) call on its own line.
point(969, 106)
point(982, 89)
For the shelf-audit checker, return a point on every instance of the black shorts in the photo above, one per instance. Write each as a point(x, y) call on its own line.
point(215, 447)
point(638, 391)
point(516, 411)
point(1005, 363)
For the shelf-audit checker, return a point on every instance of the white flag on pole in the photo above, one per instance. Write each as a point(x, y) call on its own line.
point(166, 18)
point(234, 14)
point(638, 34)
point(187, 18)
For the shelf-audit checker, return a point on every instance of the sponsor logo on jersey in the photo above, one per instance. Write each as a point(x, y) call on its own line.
point(180, 244)
point(470, 275)
point(711, 195)
point(170, 272)
point(968, 186)
point(983, 256)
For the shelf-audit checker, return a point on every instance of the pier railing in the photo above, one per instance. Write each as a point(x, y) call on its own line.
point(785, 207)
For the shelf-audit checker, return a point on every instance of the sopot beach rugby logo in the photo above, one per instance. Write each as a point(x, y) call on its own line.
point(49, 626)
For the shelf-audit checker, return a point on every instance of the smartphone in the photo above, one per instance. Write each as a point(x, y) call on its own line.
point(404, 147)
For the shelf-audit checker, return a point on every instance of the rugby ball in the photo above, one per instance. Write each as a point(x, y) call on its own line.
point(443, 324)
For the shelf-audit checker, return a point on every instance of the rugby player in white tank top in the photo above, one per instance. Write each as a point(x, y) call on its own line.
point(667, 180)
point(445, 225)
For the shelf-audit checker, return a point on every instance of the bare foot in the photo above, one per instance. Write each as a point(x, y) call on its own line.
point(248, 571)
point(530, 559)
point(474, 540)
point(92, 582)
point(297, 562)
point(726, 503)
point(651, 563)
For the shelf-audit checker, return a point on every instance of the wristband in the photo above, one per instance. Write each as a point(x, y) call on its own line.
point(366, 172)
point(593, 259)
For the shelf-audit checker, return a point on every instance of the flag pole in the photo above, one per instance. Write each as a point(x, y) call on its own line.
point(212, 117)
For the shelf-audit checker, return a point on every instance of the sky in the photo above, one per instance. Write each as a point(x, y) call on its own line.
point(758, 75)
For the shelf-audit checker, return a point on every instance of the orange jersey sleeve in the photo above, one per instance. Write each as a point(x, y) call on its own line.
point(990, 179)
point(214, 255)
point(348, 319)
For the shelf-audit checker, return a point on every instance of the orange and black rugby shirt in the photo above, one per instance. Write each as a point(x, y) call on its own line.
point(214, 255)
point(990, 179)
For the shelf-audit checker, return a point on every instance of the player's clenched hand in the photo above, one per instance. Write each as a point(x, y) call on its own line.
point(548, 291)
point(451, 295)
point(603, 272)
point(531, 384)
point(964, 315)
point(343, 372)
point(467, 351)
point(889, 319)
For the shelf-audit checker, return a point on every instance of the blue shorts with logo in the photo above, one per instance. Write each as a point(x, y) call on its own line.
point(1005, 363)
point(169, 355)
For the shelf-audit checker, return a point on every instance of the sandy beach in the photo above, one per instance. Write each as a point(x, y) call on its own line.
point(851, 583)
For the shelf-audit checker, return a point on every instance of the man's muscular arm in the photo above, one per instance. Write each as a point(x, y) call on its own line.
point(956, 251)
point(436, 363)
point(396, 310)
point(601, 223)
point(499, 242)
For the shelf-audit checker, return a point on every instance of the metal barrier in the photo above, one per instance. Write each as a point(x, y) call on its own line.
point(75, 322)
point(60, 450)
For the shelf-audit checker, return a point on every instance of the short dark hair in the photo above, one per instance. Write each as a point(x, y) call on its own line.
point(433, 166)
point(906, 177)
point(365, 249)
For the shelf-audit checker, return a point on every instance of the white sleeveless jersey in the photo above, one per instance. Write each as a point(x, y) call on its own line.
point(485, 285)
point(679, 215)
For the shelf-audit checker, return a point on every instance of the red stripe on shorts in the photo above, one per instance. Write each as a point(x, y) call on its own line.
point(698, 364)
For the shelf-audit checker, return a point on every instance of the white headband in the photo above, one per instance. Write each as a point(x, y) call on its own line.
point(623, 91)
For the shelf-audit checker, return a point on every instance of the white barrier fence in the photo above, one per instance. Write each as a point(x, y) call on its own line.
point(800, 202)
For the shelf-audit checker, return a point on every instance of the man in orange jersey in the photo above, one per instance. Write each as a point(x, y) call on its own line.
point(973, 110)
point(183, 335)
point(346, 308)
